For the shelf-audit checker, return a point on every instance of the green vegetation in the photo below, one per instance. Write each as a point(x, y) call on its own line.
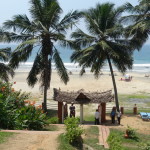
point(4, 136)
point(52, 120)
point(100, 44)
point(73, 130)
point(64, 143)
point(5, 70)
point(131, 133)
point(116, 138)
point(15, 113)
point(72, 139)
point(91, 138)
point(44, 28)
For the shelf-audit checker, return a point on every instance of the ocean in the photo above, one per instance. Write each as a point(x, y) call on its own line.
point(141, 60)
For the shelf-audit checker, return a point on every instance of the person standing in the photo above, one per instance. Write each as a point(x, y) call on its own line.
point(113, 114)
point(72, 110)
point(119, 117)
point(97, 117)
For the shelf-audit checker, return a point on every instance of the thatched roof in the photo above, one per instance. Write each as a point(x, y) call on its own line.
point(82, 97)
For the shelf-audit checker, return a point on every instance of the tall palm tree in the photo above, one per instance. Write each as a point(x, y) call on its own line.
point(138, 21)
point(104, 43)
point(43, 31)
point(5, 70)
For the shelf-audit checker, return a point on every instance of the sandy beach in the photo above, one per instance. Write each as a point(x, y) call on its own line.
point(139, 83)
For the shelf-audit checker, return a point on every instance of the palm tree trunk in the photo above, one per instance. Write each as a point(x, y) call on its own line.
point(45, 84)
point(114, 83)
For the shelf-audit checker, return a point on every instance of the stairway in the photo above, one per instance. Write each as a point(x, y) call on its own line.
point(103, 135)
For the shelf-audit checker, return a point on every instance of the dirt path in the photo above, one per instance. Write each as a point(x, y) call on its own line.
point(32, 140)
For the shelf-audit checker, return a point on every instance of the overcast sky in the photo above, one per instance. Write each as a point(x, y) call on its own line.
point(8, 8)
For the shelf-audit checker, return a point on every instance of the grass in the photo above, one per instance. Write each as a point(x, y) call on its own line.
point(4, 136)
point(51, 128)
point(130, 144)
point(129, 99)
point(64, 144)
point(91, 138)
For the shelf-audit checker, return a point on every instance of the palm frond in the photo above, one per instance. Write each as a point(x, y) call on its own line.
point(19, 23)
point(62, 72)
point(5, 54)
point(82, 39)
point(35, 71)
point(20, 54)
point(5, 72)
point(69, 20)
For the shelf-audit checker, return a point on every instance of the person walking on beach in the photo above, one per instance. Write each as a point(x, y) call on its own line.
point(97, 117)
point(113, 114)
point(119, 117)
point(72, 110)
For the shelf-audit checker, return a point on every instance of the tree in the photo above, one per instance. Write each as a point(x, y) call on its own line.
point(43, 31)
point(5, 70)
point(104, 42)
point(138, 21)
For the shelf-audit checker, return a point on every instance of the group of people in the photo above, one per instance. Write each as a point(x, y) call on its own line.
point(113, 114)
point(72, 110)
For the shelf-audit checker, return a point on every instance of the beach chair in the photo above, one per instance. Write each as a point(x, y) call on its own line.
point(148, 115)
point(144, 115)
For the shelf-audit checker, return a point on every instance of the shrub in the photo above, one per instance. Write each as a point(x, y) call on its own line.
point(74, 132)
point(114, 142)
point(53, 120)
point(131, 133)
point(144, 146)
point(14, 114)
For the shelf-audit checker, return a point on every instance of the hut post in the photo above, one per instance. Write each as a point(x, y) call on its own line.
point(103, 114)
point(81, 113)
point(60, 111)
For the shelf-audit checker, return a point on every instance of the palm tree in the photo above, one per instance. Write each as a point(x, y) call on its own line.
point(138, 21)
point(5, 70)
point(104, 42)
point(43, 31)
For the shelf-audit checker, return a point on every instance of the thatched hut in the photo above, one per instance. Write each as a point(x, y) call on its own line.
point(81, 97)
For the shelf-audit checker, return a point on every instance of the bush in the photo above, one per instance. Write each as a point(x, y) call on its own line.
point(14, 114)
point(74, 132)
point(114, 142)
point(53, 120)
point(131, 133)
point(144, 146)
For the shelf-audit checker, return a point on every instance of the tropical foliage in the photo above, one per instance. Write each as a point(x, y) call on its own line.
point(138, 21)
point(73, 131)
point(42, 31)
point(5, 70)
point(103, 42)
point(15, 114)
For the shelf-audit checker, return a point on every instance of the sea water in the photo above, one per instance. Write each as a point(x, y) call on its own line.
point(141, 60)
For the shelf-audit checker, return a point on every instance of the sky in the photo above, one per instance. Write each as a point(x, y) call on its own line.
point(8, 8)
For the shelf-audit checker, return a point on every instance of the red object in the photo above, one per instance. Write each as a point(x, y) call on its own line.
point(15, 82)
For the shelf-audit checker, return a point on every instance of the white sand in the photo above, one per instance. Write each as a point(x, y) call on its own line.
point(139, 83)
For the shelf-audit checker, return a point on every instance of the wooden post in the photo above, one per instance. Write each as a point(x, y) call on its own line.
point(103, 114)
point(135, 110)
point(122, 110)
point(81, 113)
point(60, 111)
